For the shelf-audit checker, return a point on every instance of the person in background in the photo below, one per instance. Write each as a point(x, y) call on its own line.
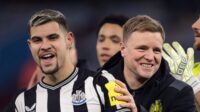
point(140, 66)
point(196, 29)
point(109, 36)
point(182, 64)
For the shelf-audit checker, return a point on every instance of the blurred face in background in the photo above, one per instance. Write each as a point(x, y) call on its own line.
point(108, 42)
point(196, 29)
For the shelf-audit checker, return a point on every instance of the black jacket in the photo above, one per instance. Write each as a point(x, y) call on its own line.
point(162, 91)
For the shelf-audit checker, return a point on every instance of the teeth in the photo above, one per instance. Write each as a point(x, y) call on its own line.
point(147, 65)
point(48, 55)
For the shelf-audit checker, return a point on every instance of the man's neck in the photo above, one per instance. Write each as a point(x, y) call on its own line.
point(62, 74)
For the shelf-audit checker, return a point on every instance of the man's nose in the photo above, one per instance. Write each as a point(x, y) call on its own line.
point(149, 55)
point(45, 45)
point(196, 24)
point(106, 44)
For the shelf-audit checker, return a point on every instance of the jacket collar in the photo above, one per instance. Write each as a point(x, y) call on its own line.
point(116, 65)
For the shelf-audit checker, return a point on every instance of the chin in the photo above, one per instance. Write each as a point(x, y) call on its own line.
point(147, 75)
point(50, 70)
point(197, 46)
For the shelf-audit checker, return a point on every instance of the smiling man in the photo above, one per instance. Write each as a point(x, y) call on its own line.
point(63, 87)
point(140, 66)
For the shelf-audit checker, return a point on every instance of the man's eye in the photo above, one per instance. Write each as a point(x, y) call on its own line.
point(53, 37)
point(141, 49)
point(101, 39)
point(36, 40)
point(157, 51)
point(115, 39)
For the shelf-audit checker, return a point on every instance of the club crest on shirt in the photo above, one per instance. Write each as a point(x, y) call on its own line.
point(156, 106)
point(30, 109)
point(78, 98)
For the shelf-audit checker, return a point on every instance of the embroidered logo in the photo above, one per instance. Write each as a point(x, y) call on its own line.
point(30, 109)
point(78, 98)
point(156, 106)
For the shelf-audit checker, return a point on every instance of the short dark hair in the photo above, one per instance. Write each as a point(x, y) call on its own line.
point(113, 19)
point(48, 15)
point(142, 23)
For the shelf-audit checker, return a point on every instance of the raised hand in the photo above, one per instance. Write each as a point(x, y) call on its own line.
point(181, 64)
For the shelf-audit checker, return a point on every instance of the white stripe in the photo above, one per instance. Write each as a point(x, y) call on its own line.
point(101, 94)
point(92, 100)
point(20, 103)
point(62, 83)
point(41, 99)
point(66, 97)
point(107, 75)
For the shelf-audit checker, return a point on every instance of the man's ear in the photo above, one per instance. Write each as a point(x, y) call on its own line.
point(122, 48)
point(29, 43)
point(70, 39)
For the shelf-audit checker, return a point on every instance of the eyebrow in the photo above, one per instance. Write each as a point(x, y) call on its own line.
point(53, 34)
point(114, 36)
point(35, 37)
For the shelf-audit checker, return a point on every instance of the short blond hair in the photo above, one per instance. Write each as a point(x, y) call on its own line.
point(142, 23)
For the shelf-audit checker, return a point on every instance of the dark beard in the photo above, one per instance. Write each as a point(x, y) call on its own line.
point(197, 46)
point(50, 72)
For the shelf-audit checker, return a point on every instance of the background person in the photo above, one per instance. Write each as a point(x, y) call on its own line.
point(109, 36)
point(175, 56)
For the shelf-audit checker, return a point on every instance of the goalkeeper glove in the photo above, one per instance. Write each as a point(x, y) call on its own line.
point(181, 64)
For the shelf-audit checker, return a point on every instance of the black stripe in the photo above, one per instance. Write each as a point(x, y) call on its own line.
point(30, 98)
point(54, 100)
point(78, 89)
point(95, 83)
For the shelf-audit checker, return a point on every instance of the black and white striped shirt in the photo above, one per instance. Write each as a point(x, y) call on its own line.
point(75, 94)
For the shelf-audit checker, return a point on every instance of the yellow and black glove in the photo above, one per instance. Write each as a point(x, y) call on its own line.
point(181, 64)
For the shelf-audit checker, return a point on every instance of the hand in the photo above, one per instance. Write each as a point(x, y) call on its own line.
point(181, 64)
point(126, 97)
point(118, 93)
